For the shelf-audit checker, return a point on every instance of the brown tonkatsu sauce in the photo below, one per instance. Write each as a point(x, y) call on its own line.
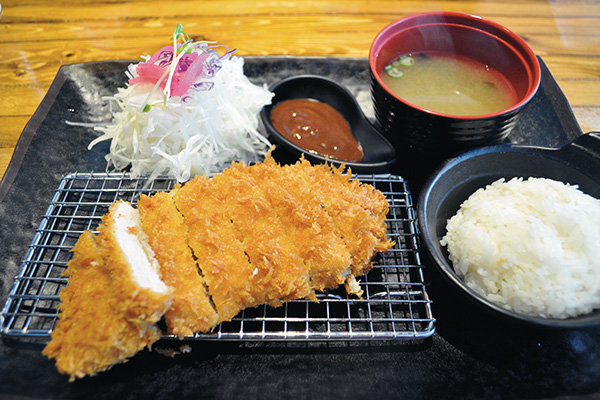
point(316, 127)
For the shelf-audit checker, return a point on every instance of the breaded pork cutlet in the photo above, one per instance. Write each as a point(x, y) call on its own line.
point(191, 310)
point(303, 219)
point(260, 234)
point(280, 273)
point(111, 304)
point(125, 250)
point(373, 228)
point(358, 212)
point(218, 248)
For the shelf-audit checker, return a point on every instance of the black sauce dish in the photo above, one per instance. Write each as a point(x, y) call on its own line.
point(577, 163)
point(378, 153)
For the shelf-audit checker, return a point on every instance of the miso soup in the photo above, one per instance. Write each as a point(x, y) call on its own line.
point(448, 84)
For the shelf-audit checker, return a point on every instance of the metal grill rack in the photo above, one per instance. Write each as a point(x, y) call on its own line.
point(395, 303)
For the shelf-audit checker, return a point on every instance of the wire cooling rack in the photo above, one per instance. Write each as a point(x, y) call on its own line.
point(395, 303)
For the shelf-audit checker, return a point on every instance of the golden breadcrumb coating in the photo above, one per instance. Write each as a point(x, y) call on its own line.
point(191, 310)
point(102, 323)
point(92, 334)
point(305, 222)
point(358, 210)
point(217, 247)
point(280, 272)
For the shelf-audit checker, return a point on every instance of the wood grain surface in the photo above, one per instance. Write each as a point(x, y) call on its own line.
point(38, 36)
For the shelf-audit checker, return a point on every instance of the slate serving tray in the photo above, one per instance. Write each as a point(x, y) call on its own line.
point(470, 356)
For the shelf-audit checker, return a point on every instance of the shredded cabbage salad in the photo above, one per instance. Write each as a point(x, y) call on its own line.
point(186, 110)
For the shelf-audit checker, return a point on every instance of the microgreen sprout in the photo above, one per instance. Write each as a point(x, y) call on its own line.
point(180, 33)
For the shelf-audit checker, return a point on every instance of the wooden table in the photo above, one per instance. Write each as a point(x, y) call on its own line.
point(38, 36)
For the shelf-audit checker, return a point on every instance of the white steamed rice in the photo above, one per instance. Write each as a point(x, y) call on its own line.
point(531, 246)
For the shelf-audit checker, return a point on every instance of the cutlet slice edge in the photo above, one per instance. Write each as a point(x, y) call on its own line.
point(281, 272)
point(89, 336)
point(192, 309)
point(216, 247)
point(131, 261)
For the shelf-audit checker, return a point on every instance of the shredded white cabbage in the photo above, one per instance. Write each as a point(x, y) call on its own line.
point(200, 133)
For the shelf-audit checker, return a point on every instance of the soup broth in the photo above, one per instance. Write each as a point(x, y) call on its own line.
point(448, 84)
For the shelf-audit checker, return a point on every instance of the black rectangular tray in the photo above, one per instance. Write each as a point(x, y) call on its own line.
point(469, 356)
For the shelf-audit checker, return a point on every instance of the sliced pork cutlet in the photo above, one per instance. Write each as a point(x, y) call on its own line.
point(217, 247)
point(108, 312)
point(373, 227)
point(303, 219)
point(191, 310)
point(133, 268)
point(358, 213)
point(280, 273)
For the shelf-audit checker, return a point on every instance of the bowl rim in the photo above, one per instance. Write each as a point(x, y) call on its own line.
point(354, 165)
point(531, 58)
point(445, 268)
